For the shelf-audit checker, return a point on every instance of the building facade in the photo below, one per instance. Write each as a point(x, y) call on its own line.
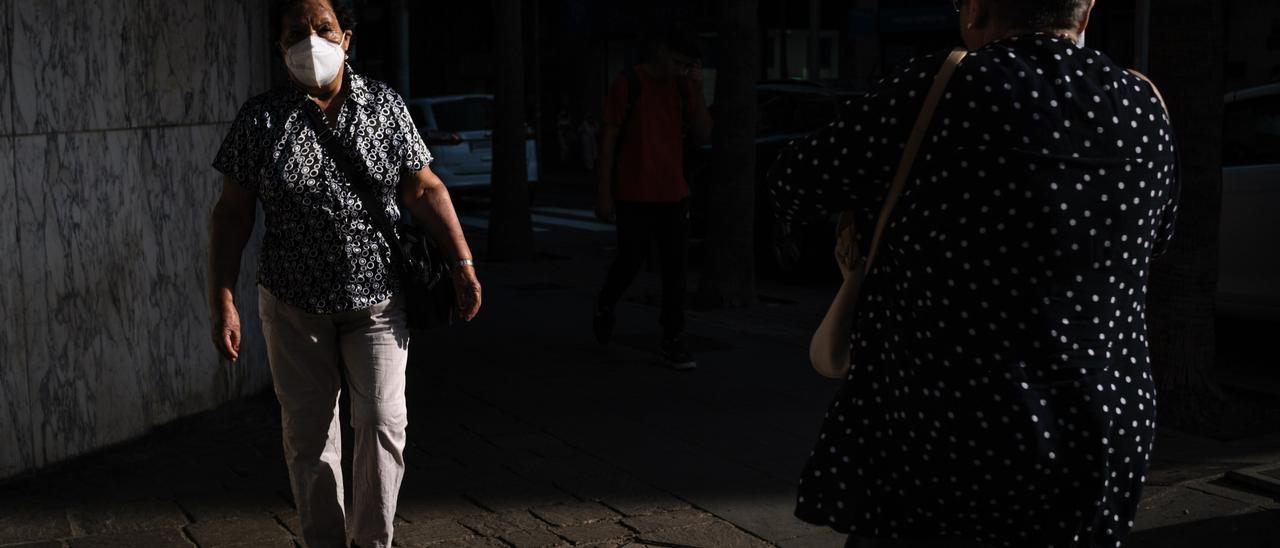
point(110, 113)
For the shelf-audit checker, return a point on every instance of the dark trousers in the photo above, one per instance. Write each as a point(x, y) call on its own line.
point(639, 224)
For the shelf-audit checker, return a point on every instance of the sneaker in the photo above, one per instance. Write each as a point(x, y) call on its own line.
point(676, 355)
point(602, 323)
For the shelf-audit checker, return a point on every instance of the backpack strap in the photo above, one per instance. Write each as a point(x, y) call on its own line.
point(683, 91)
point(633, 96)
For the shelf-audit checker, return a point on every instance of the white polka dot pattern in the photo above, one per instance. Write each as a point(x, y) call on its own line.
point(1001, 388)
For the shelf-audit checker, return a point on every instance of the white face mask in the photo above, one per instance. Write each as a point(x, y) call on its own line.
point(314, 62)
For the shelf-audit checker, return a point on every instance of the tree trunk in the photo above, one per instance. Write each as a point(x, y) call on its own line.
point(1186, 62)
point(728, 277)
point(510, 228)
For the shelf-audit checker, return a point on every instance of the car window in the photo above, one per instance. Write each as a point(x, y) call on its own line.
point(1251, 134)
point(470, 114)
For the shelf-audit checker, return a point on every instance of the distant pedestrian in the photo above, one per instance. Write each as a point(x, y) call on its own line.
point(564, 136)
point(1000, 390)
point(589, 138)
point(650, 109)
point(327, 295)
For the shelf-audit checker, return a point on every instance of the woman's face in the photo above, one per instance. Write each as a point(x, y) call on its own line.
point(312, 17)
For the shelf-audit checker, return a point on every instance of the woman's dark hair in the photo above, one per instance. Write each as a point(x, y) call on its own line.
point(342, 8)
point(1040, 14)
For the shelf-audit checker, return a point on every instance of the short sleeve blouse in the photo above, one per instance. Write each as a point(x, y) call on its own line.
point(321, 252)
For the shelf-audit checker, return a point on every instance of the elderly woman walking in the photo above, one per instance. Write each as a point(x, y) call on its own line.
point(329, 298)
point(1000, 391)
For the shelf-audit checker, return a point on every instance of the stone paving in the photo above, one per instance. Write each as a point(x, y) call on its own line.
point(524, 433)
point(217, 481)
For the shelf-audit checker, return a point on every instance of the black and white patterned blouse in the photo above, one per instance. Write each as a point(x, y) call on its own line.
point(320, 252)
point(1001, 388)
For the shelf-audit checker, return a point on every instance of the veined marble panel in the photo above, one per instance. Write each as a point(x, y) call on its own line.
point(117, 332)
point(6, 72)
point(15, 415)
point(195, 61)
point(115, 111)
point(179, 191)
point(134, 63)
point(69, 65)
point(82, 247)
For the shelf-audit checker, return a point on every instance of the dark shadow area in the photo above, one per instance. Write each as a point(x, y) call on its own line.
point(1254, 530)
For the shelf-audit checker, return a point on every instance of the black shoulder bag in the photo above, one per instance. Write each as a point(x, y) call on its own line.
point(423, 272)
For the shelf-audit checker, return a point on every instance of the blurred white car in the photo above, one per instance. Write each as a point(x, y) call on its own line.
point(459, 131)
point(1249, 263)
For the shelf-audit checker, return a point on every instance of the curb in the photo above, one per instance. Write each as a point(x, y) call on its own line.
point(1258, 477)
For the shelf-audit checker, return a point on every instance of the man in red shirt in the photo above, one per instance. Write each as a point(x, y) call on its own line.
point(651, 110)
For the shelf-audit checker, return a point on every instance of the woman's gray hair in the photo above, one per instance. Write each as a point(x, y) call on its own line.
point(1040, 14)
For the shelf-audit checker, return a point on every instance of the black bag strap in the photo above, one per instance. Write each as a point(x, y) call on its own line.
point(633, 96)
point(359, 179)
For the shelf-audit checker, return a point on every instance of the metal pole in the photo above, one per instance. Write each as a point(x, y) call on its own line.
point(1142, 35)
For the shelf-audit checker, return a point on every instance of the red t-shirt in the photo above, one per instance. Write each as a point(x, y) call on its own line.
point(651, 153)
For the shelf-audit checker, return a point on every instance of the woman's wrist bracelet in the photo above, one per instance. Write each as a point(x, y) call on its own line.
point(465, 262)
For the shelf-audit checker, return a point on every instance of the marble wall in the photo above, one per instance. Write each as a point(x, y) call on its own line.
point(110, 113)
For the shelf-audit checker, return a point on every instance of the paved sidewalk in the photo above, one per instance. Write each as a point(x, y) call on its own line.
point(525, 432)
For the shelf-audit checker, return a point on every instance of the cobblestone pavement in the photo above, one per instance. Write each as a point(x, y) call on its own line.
point(524, 432)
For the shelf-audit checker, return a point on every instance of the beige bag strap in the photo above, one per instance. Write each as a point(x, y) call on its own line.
point(913, 147)
point(1154, 89)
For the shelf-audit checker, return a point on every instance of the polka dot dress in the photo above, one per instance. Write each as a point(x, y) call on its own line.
point(1001, 389)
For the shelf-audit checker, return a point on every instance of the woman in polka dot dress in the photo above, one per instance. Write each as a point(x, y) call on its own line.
point(1001, 390)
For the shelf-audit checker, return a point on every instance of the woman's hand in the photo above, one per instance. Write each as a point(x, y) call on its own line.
point(467, 286)
point(848, 256)
point(696, 76)
point(225, 322)
point(230, 226)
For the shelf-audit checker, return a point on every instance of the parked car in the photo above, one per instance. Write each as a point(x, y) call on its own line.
point(459, 131)
point(785, 111)
point(1249, 256)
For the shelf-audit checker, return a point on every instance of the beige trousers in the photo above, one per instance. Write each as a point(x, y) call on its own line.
point(308, 352)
